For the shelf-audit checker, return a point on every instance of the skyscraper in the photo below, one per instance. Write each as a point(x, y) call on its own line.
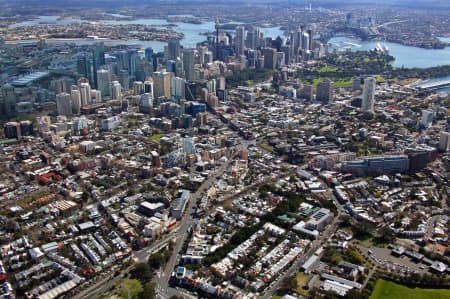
point(84, 66)
point(85, 93)
point(444, 141)
point(325, 91)
point(173, 49)
point(148, 87)
point(305, 41)
point(133, 62)
point(9, 100)
point(98, 59)
point(124, 79)
point(177, 87)
point(138, 87)
point(63, 104)
point(116, 90)
point(188, 63)
point(368, 94)
point(103, 78)
point(161, 84)
point(149, 54)
point(270, 58)
point(239, 40)
point(75, 98)
point(146, 103)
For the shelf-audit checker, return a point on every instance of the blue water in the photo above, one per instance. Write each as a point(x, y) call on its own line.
point(191, 32)
point(405, 56)
point(408, 57)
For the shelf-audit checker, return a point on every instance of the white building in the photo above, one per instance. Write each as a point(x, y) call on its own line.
point(64, 104)
point(110, 123)
point(368, 100)
point(444, 141)
point(103, 78)
point(85, 93)
point(177, 87)
point(116, 90)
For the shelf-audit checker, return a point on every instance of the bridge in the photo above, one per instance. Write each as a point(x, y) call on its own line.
point(432, 84)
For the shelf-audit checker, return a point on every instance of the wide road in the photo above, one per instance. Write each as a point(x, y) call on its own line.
point(108, 281)
point(185, 224)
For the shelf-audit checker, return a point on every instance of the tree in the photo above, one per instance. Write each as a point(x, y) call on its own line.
point(354, 294)
point(156, 260)
point(290, 283)
point(149, 291)
point(385, 236)
point(142, 272)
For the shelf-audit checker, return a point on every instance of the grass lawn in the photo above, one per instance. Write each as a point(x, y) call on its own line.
point(266, 146)
point(337, 82)
point(327, 69)
point(390, 290)
point(302, 279)
point(156, 137)
point(276, 297)
point(131, 287)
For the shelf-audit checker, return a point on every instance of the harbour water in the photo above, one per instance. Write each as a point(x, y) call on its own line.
point(192, 32)
point(406, 56)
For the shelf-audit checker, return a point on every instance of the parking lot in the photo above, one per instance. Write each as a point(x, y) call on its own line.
point(383, 258)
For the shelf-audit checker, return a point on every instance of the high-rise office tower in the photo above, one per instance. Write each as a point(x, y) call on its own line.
point(305, 41)
point(252, 58)
point(116, 90)
point(149, 54)
point(325, 91)
point(9, 101)
point(138, 87)
point(161, 84)
point(179, 68)
point(270, 58)
point(173, 49)
point(286, 49)
point(188, 64)
point(98, 59)
point(63, 104)
point(444, 141)
point(124, 79)
point(148, 87)
point(84, 66)
point(280, 59)
point(96, 96)
point(297, 40)
point(103, 78)
point(146, 103)
point(252, 39)
point(133, 62)
point(310, 38)
point(75, 98)
point(239, 40)
point(368, 100)
point(85, 93)
point(122, 59)
point(201, 53)
point(177, 87)
point(170, 66)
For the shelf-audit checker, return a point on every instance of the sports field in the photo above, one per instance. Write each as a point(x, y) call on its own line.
point(390, 290)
